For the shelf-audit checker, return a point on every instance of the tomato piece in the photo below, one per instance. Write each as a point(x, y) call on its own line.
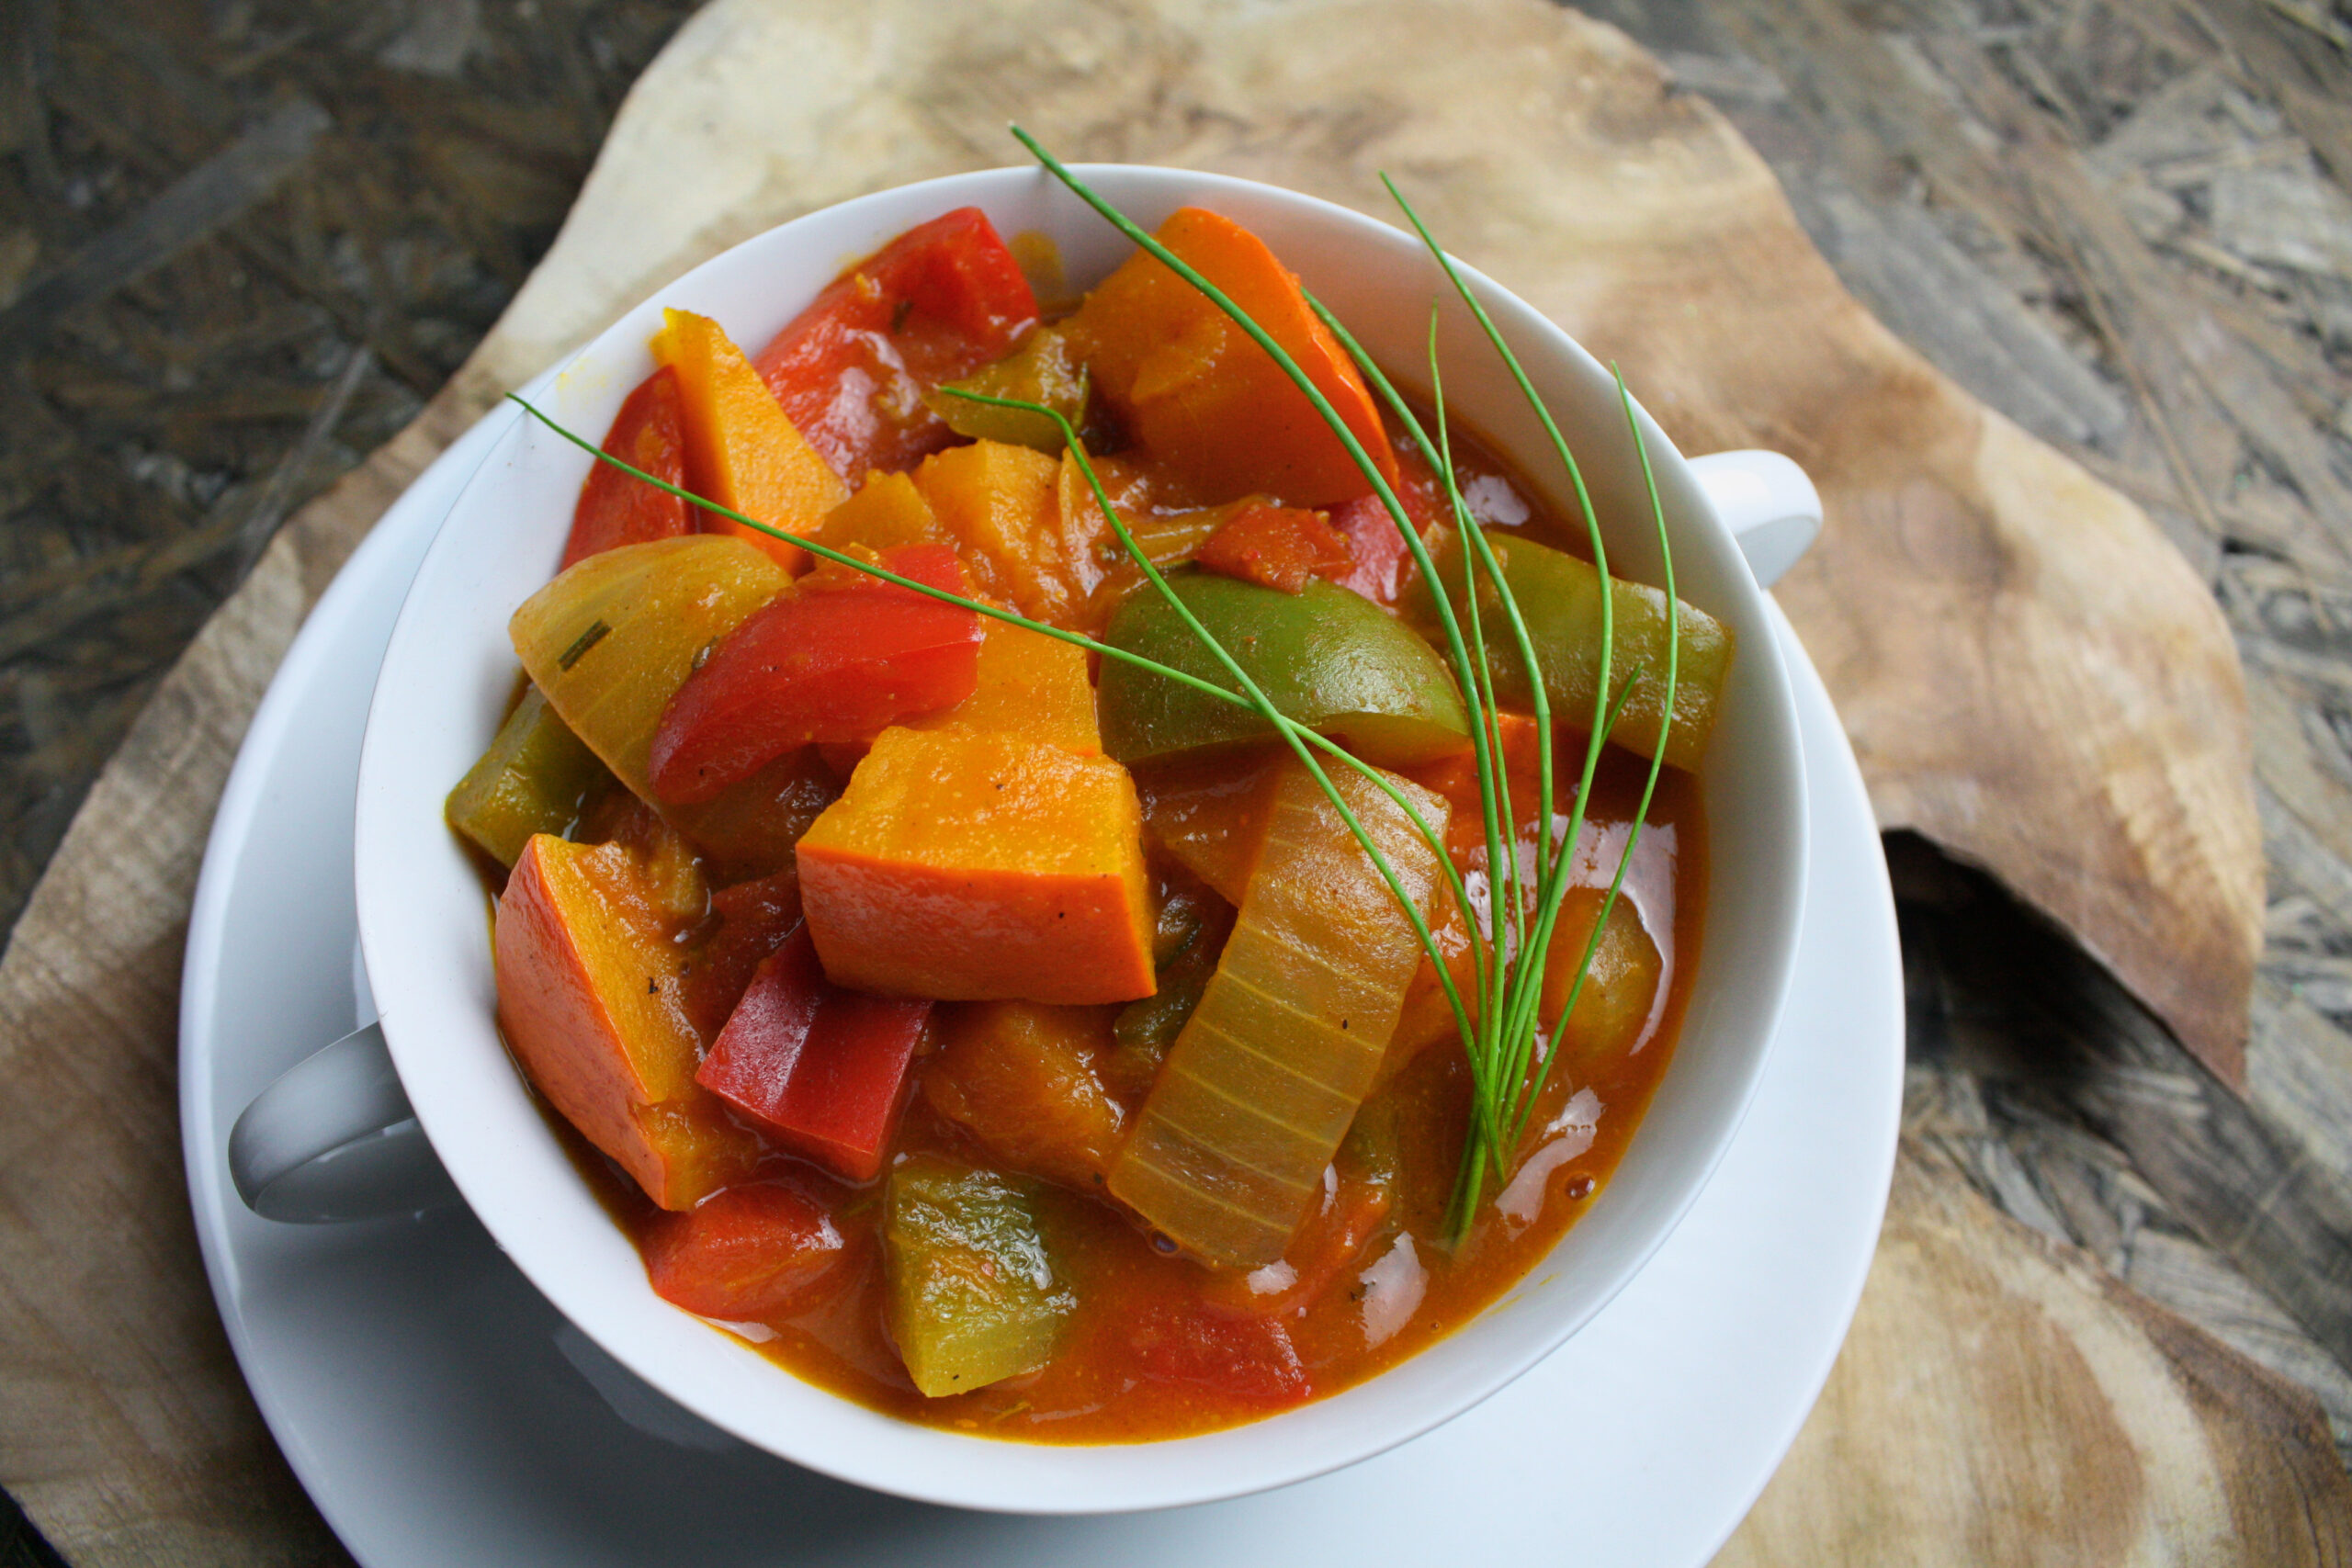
point(1332, 1239)
point(755, 918)
point(1376, 550)
point(1518, 740)
point(1280, 546)
point(619, 509)
point(935, 304)
point(819, 1068)
point(1250, 1360)
point(751, 1252)
point(1380, 556)
point(839, 660)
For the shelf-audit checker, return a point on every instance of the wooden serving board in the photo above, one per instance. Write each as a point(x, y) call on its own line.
point(2030, 676)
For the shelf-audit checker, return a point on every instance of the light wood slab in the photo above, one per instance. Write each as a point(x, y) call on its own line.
point(1548, 150)
point(2001, 1399)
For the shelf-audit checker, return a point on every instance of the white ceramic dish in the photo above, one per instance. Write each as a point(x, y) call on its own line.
point(448, 669)
point(440, 1410)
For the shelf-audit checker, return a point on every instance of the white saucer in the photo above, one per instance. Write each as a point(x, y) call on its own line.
point(441, 1412)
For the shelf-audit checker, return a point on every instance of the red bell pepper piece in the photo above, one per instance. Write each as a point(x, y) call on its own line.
point(754, 920)
point(748, 1253)
point(820, 1069)
point(1247, 1358)
point(1379, 550)
point(935, 304)
point(617, 509)
point(1280, 546)
point(835, 660)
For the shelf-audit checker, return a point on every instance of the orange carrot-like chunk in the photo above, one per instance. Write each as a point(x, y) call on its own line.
point(885, 512)
point(590, 997)
point(1196, 392)
point(972, 866)
point(741, 450)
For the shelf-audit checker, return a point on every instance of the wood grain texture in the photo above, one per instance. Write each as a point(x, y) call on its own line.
point(1553, 153)
point(2002, 1399)
point(127, 1432)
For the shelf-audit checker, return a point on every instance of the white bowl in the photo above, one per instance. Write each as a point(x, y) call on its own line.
point(449, 669)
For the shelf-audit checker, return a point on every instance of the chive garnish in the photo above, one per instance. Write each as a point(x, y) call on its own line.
point(596, 632)
point(1510, 1057)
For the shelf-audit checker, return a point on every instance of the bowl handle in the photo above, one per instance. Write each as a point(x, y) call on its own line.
point(334, 1139)
point(1771, 507)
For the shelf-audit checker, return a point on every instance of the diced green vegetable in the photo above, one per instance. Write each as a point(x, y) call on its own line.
point(973, 1296)
point(1228, 1151)
point(1326, 658)
point(534, 779)
point(1560, 597)
point(1041, 370)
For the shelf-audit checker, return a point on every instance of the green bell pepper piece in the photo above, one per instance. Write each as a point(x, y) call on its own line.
point(1328, 659)
point(1559, 597)
point(1041, 370)
point(973, 1298)
point(535, 778)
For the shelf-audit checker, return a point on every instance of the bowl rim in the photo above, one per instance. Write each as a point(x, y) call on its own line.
point(909, 1460)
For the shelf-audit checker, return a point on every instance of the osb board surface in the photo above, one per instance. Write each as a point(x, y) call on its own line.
point(182, 758)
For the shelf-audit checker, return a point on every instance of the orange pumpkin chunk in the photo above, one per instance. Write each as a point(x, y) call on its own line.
point(590, 997)
point(972, 866)
point(1023, 1079)
point(741, 449)
point(1196, 392)
point(1030, 684)
point(887, 511)
point(1002, 505)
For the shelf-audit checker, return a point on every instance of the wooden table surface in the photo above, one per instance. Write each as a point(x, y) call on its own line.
point(2125, 226)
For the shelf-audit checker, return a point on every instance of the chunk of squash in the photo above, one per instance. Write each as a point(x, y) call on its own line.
point(592, 1000)
point(969, 866)
point(1002, 505)
point(1027, 683)
point(1021, 1079)
point(743, 451)
point(1199, 394)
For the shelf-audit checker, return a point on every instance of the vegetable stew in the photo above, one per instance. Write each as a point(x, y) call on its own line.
point(951, 994)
